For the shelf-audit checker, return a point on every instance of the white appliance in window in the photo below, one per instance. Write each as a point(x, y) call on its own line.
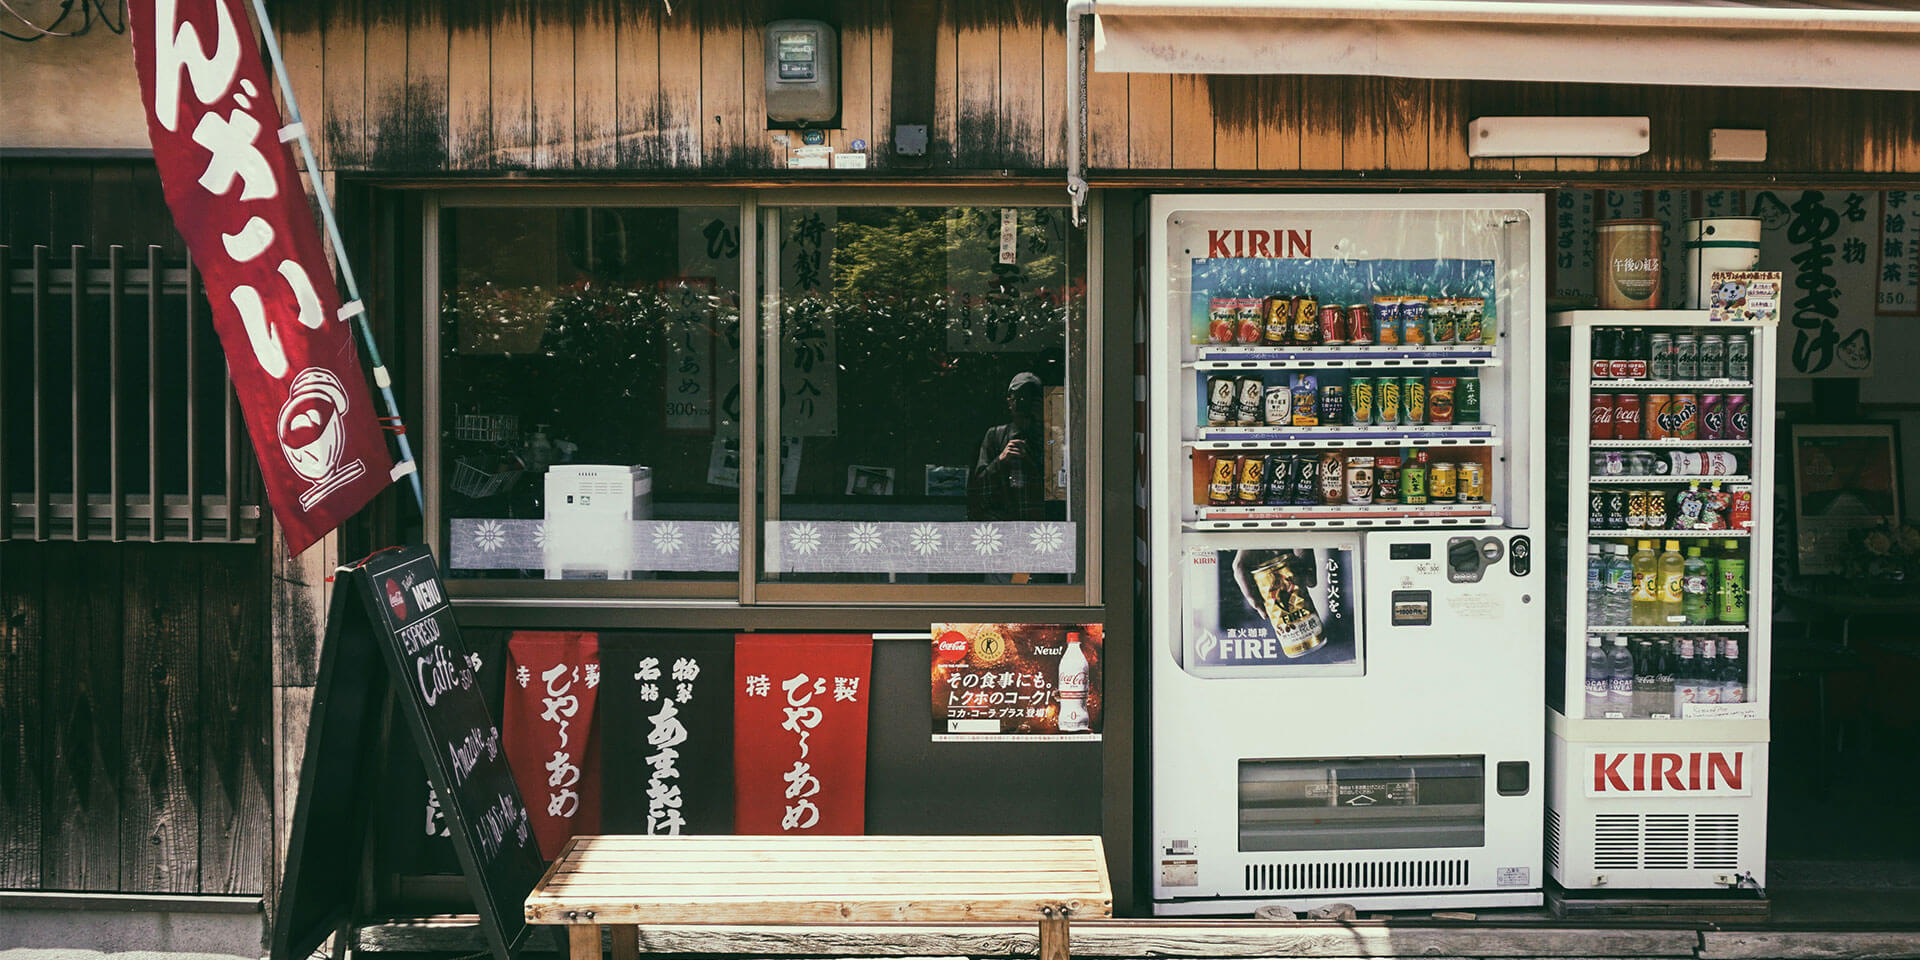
point(1345, 696)
point(591, 509)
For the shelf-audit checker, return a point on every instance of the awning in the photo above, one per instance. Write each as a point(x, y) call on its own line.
point(1776, 43)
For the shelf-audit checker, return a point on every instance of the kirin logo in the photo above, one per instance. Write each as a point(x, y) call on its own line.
point(1721, 772)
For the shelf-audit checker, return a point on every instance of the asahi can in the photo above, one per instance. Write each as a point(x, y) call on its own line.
point(1306, 479)
point(1686, 357)
point(1333, 324)
point(1440, 399)
point(1222, 394)
point(1739, 356)
point(1440, 320)
point(1333, 478)
point(1386, 321)
point(1660, 356)
point(1713, 356)
point(1386, 480)
point(1387, 404)
point(1413, 321)
point(1466, 401)
point(1443, 482)
point(1333, 404)
point(1278, 411)
point(1252, 395)
point(1225, 471)
point(1276, 319)
point(1279, 480)
point(1306, 320)
point(1252, 488)
point(1359, 324)
point(1413, 400)
point(1360, 401)
point(1473, 483)
point(1359, 480)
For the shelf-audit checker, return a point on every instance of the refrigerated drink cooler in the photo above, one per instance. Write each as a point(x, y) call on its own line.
point(1345, 493)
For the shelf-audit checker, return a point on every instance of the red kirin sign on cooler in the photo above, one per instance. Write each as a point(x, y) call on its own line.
point(800, 733)
point(1668, 770)
point(236, 198)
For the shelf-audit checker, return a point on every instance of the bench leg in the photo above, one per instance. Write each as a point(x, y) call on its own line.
point(583, 941)
point(1053, 935)
point(626, 942)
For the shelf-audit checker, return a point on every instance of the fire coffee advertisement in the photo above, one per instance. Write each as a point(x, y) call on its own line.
point(1016, 681)
point(1289, 609)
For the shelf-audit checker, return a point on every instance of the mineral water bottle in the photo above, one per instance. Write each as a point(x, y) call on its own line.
point(1619, 585)
point(1646, 585)
point(1599, 677)
point(1620, 679)
point(1596, 586)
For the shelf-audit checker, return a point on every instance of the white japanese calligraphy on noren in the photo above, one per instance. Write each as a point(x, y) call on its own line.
point(666, 733)
point(801, 718)
point(178, 47)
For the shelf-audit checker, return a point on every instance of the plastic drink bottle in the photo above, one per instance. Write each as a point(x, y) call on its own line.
point(1663, 684)
point(1733, 673)
point(1646, 678)
point(1599, 675)
point(1686, 682)
point(1696, 582)
point(1672, 583)
point(1709, 673)
point(1073, 687)
point(1620, 679)
point(1646, 585)
point(1596, 586)
point(1732, 606)
point(1619, 585)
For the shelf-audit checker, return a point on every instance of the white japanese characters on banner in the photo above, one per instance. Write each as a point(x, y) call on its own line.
point(667, 704)
point(550, 733)
point(800, 729)
point(690, 332)
point(665, 733)
point(1571, 270)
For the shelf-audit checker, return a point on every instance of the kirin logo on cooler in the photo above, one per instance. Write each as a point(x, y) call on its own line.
point(1259, 243)
point(1696, 772)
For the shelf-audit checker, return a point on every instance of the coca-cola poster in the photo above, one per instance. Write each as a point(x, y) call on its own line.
point(1283, 607)
point(1017, 681)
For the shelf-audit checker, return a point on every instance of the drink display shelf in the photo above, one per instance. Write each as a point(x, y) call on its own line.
point(1631, 534)
point(1656, 479)
point(1667, 443)
point(1608, 631)
point(1644, 318)
point(1280, 357)
point(1690, 386)
point(1337, 438)
point(1342, 516)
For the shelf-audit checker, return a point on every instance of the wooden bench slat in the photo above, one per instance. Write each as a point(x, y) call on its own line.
point(889, 869)
point(946, 888)
point(798, 910)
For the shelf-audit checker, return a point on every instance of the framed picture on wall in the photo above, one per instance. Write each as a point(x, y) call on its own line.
point(1846, 476)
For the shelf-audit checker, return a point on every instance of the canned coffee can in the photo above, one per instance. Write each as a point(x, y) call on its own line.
point(1386, 321)
point(1440, 399)
point(1252, 488)
point(1596, 508)
point(1386, 480)
point(1333, 404)
point(1686, 357)
point(1359, 324)
point(1617, 508)
point(1333, 478)
point(1279, 406)
point(1306, 320)
point(1222, 395)
point(1713, 356)
point(1657, 518)
point(1277, 319)
point(1225, 471)
point(1473, 483)
point(1333, 324)
point(1306, 479)
point(1306, 406)
point(1443, 482)
point(1637, 510)
point(1388, 400)
point(1413, 399)
point(1360, 480)
point(1279, 480)
point(1360, 401)
point(1466, 399)
point(1252, 392)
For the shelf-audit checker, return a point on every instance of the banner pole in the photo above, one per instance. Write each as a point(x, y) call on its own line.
point(381, 379)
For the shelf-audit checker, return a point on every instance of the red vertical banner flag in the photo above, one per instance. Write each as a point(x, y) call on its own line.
point(552, 739)
point(236, 198)
point(800, 733)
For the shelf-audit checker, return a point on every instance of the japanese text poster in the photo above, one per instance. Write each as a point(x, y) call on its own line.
point(1274, 611)
point(1825, 244)
point(1017, 681)
point(800, 733)
point(668, 718)
point(552, 683)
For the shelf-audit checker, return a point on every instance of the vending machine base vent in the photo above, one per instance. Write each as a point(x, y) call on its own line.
point(1700, 906)
point(1553, 839)
point(1356, 875)
point(1666, 841)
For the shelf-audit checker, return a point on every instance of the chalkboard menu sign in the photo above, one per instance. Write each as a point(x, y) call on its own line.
point(394, 602)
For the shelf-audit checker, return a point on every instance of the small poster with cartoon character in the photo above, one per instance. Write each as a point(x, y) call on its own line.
point(1744, 296)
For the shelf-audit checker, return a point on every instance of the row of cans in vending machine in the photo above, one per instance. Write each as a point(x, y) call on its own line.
point(1670, 416)
point(1290, 320)
point(1712, 506)
point(1332, 478)
point(1360, 401)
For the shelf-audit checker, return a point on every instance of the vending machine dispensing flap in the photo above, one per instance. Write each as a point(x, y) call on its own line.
point(1469, 557)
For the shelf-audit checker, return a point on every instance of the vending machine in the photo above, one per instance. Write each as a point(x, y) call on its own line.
point(1344, 436)
point(1659, 673)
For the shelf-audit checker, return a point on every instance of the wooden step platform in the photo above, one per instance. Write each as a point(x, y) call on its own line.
point(1704, 906)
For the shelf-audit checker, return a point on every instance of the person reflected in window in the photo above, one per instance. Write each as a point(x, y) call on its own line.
point(1008, 480)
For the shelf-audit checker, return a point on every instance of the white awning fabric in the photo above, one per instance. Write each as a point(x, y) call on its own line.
point(1772, 43)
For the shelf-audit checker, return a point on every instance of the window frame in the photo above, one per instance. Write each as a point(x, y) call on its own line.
point(757, 408)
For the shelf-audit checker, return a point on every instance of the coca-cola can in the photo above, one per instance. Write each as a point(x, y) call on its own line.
point(1602, 418)
point(1628, 412)
point(1713, 416)
point(1333, 324)
point(1739, 418)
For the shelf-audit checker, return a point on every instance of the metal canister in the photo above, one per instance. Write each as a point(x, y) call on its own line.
point(1441, 320)
point(1413, 321)
point(1657, 516)
point(1388, 403)
point(1222, 394)
point(1252, 487)
point(1443, 482)
point(1279, 479)
point(1413, 482)
point(1359, 324)
point(1277, 316)
point(1386, 480)
point(1225, 471)
point(1466, 399)
point(1294, 620)
point(1386, 321)
point(1279, 406)
point(1660, 356)
point(1617, 504)
point(1333, 477)
point(1713, 356)
point(1413, 400)
point(1440, 399)
point(1306, 479)
point(1656, 415)
point(1306, 320)
point(1637, 505)
point(1686, 357)
point(1333, 324)
point(1360, 480)
point(1252, 393)
point(1596, 508)
point(1473, 482)
point(1740, 356)
point(1686, 417)
point(1360, 401)
point(1333, 404)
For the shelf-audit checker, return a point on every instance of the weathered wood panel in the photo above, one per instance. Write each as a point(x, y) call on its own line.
point(1149, 121)
point(304, 48)
point(427, 90)
point(82, 721)
point(160, 802)
point(469, 85)
point(680, 103)
point(1193, 127)
point(22, 754)
point(723, 95)
point(511, 74)
point(235, 766)
point(343, 30)
point(553, 87)
point(388, 135)
point(856, 81)
point(639, 97)
point(596, 79)
point(978, 129)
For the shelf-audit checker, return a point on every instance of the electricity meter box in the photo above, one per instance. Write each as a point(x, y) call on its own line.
point(803, 74)
point(1345, 495)
point(590, 515)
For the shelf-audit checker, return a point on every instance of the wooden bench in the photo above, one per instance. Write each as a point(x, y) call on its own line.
point(622, 882)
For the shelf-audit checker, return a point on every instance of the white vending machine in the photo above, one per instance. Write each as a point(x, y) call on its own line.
point(1345, 495)
point(1663, 554)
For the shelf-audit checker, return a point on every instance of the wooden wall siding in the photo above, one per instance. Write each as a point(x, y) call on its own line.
point(134, 727)
point(426, 86)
